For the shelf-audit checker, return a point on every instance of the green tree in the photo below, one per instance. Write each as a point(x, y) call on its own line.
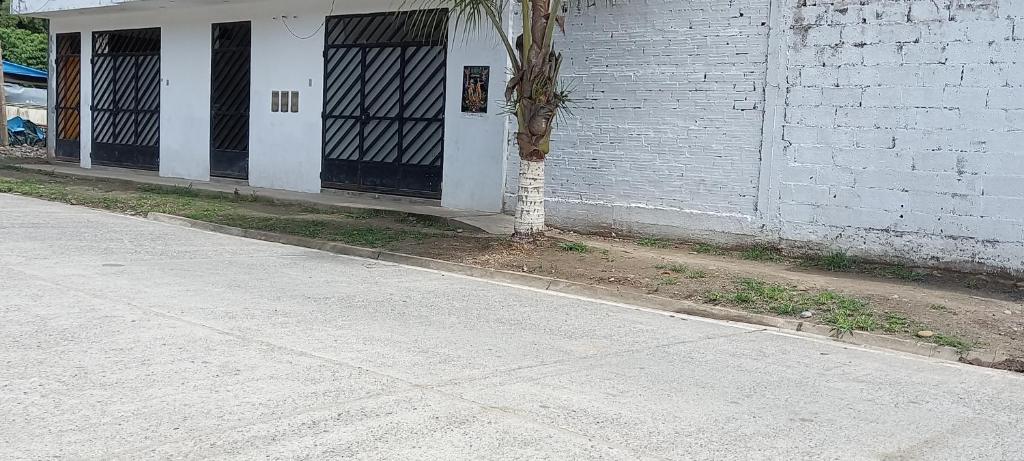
point(24, 47)
point(24, 39)
point(533, 94)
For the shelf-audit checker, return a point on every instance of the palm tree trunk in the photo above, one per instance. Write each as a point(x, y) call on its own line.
point(530, 207)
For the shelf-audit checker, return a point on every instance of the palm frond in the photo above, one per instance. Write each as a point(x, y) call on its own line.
point(470, 15)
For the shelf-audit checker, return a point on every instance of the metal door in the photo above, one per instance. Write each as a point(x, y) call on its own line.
point(69, 97)
point(126, 98)
point(229, 100)
point(384, 101)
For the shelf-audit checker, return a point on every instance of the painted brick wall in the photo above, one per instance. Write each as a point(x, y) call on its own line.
point(666, 127)
point(893, 128)
point(904, 129)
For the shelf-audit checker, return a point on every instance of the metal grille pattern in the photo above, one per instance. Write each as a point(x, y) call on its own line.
point(229, 100)
point(69, 97)
point(126, 98)
point(384, 98)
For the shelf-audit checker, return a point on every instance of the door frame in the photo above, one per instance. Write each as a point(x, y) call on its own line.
point(244, 173)
point(440, 42)
point(117, 150)
point(67, 149)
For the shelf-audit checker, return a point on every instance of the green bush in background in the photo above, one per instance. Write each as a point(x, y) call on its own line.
point(24, 39)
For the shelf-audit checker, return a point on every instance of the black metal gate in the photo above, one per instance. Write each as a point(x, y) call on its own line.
point(126, 98)
point(384, 101)
point(69, 96)
point(229, 100)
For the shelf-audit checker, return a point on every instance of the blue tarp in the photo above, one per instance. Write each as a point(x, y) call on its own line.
point(22, 131)
point(13, 69)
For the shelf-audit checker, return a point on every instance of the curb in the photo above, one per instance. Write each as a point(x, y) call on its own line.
point(594, 292)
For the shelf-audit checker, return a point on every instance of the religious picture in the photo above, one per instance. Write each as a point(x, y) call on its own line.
point(474, 89)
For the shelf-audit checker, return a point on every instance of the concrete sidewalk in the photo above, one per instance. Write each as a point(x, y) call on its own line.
point(492, 223)
point(123, 338)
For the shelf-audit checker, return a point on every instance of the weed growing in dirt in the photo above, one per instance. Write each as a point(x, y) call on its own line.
point(653, 242)
point(210, 207)
point(961, 345)
point(847, 315)
point(895, 324)
point(696, 274)
point(902, 272)
point(844, 314)
point(706, 249)
point(664, 281)
point(682, 269)
point(186, 191)
point(370, 214)
point(373, 237)
point(836, 261)
point(574, 247)
point(940, 308)
point(761, 253)
point(674, 267)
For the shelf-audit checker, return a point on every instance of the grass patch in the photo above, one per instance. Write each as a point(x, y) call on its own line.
point(373, 237)
point(177, 202)
point(847, 315)
point(682, 269)
point(895, 324)
point(844, 314)
point(761, 253)
point(179, 191)
point(901, 272)
point(665, 281)
point(209, 207)
point(696, 274)
point(653, 242)
point(574, 247)
point(836, 261)
point(961, 345)
point(707, 249)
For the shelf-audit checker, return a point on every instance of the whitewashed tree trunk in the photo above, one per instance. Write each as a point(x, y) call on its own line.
point(530, 206)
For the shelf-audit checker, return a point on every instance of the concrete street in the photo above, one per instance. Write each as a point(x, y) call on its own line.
point(128, 339)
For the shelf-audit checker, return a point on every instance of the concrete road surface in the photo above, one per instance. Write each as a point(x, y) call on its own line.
point(122, 338)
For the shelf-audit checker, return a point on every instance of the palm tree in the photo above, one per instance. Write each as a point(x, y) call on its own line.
point(533, 93)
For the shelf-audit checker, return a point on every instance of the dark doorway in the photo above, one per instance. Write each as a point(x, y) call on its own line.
point(229, 100)
point(126, 98)
point(384, 102)
point(68, 60)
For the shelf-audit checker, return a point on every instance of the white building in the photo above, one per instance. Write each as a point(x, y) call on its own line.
point(201, 88)
point(886, 128)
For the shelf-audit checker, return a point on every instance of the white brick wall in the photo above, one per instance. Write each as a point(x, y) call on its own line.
point(901, 131)
point(666, 126)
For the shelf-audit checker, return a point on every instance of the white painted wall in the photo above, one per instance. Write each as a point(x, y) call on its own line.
point(285, 148)
point(474, 160)
point(888, 129)
point(49, 6)
point(184, 98)
point(904, 130)
point(51, 96)
point(664, 135)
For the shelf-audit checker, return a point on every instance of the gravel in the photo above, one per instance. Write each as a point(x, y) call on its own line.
point(23, 152)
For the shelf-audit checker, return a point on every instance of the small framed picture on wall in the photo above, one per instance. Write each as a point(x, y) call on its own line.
point(474, 89)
